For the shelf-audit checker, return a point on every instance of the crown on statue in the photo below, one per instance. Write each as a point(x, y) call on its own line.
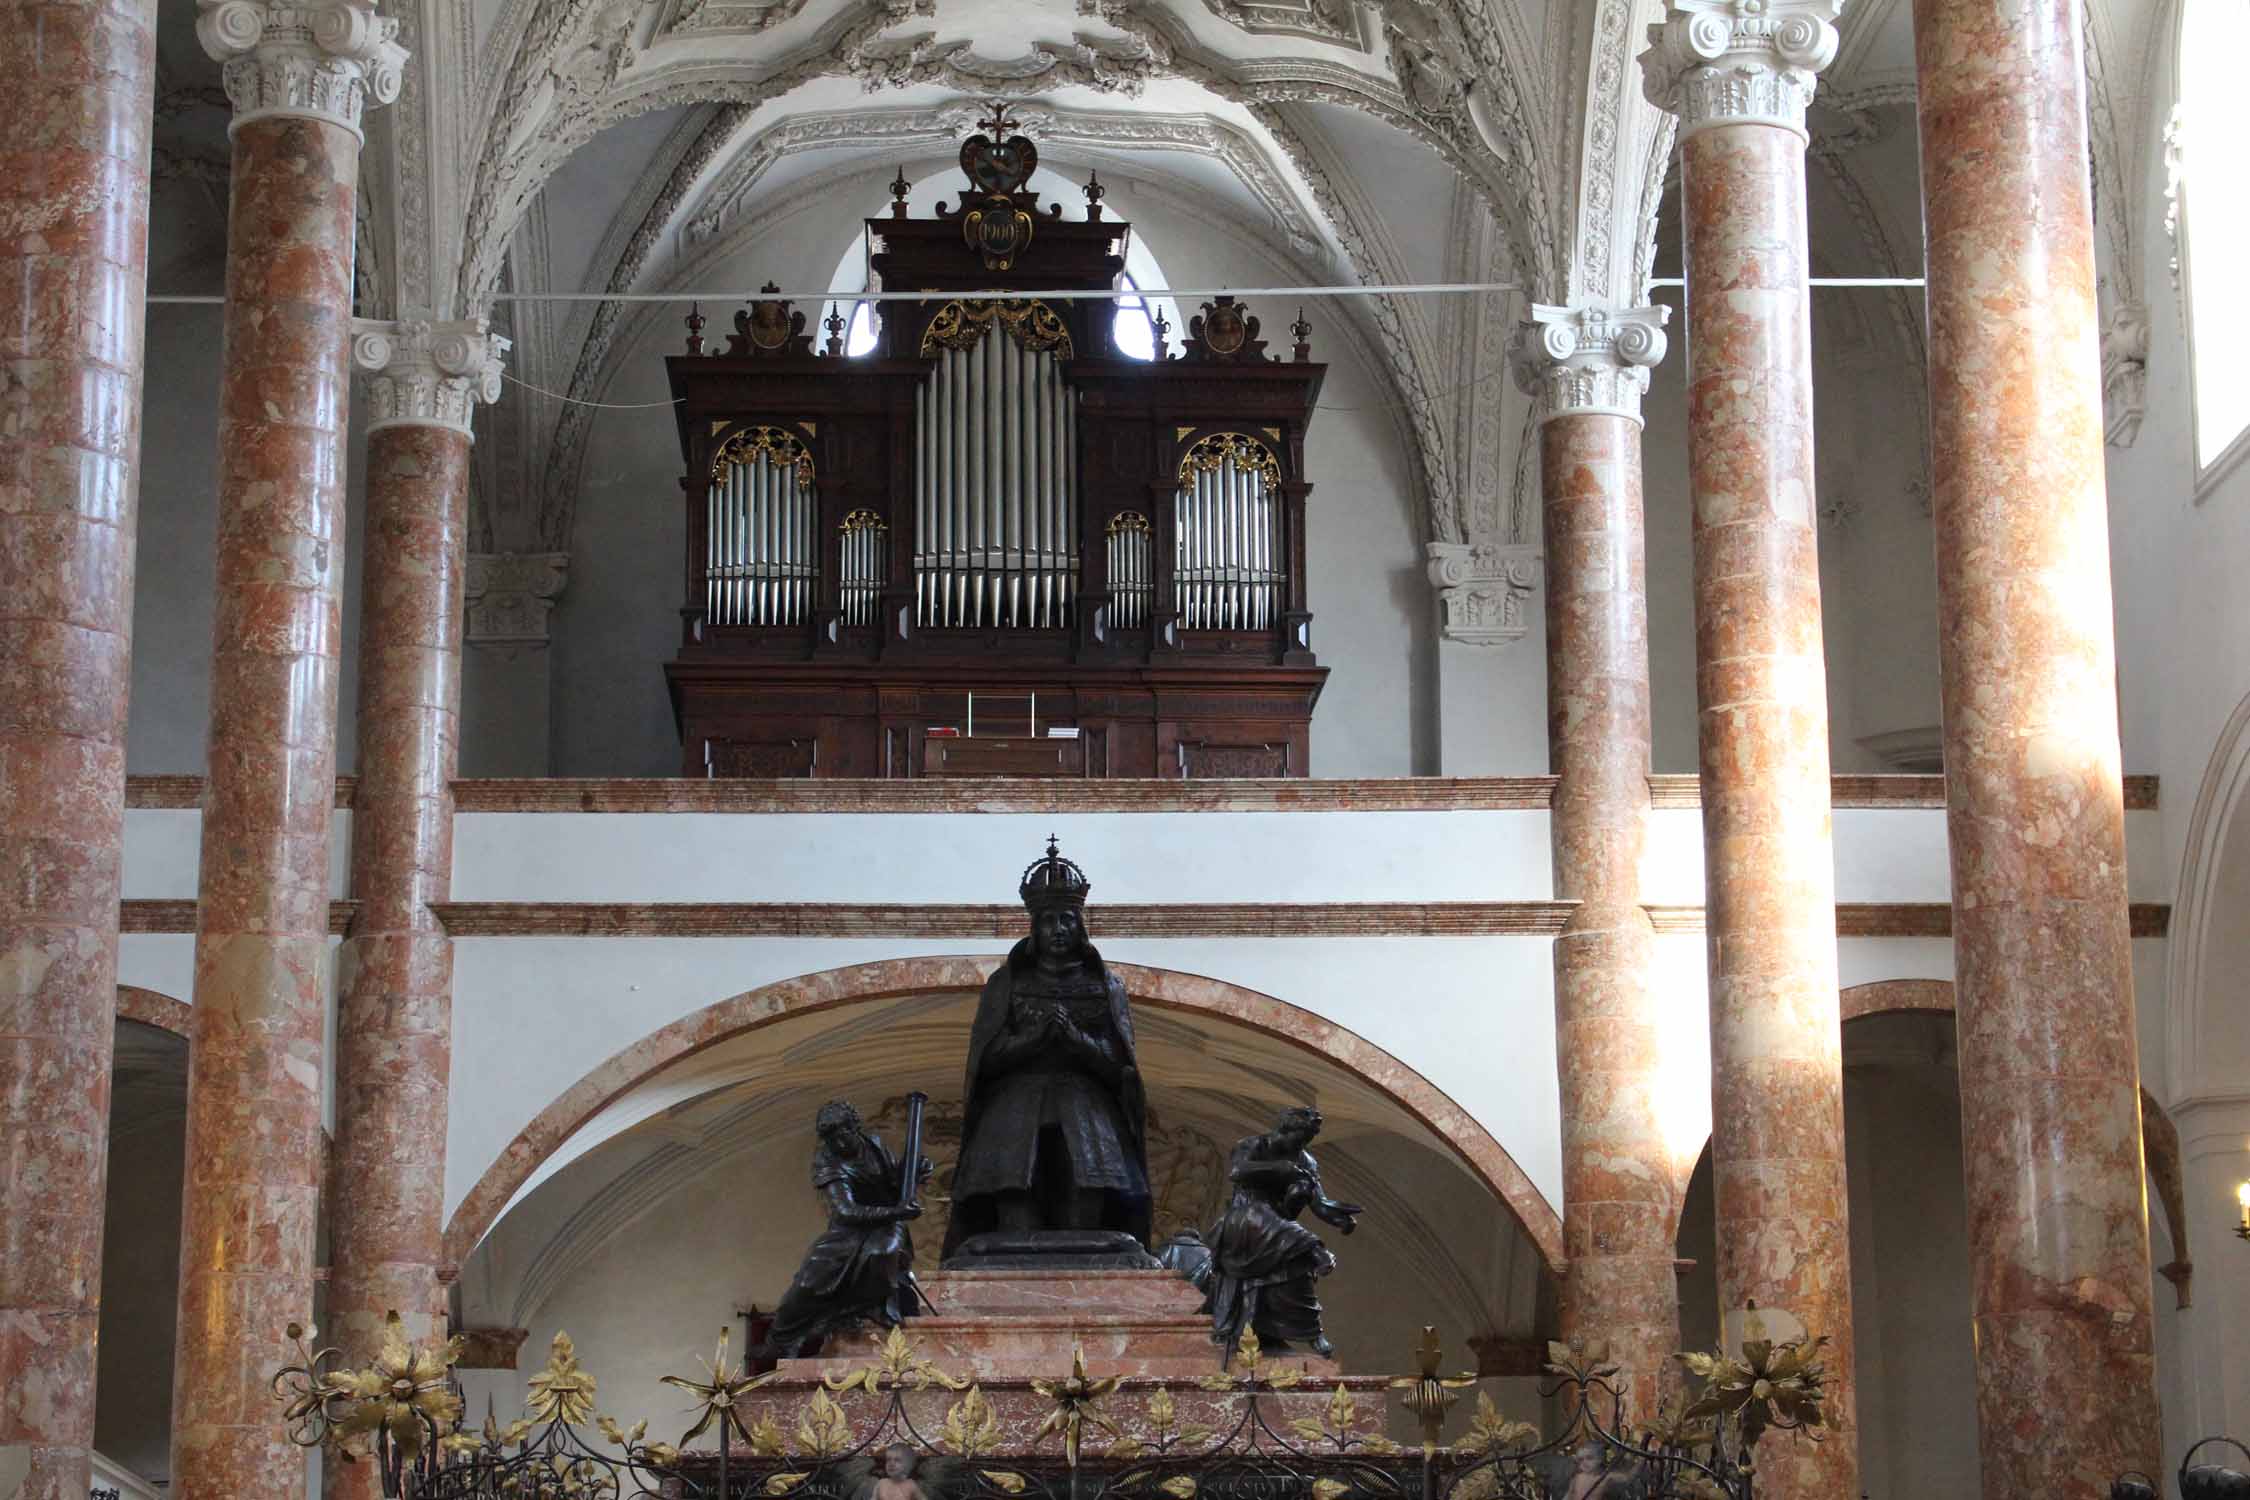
point(1053, 881)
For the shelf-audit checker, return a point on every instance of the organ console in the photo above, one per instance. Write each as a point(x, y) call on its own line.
point(995, 544)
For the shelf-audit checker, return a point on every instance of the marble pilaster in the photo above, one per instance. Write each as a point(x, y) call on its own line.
point(1739, 76)
point(395, 971)
point(2058, 1229)
point(76, 90)
point(299, 76)
point(1586, 370)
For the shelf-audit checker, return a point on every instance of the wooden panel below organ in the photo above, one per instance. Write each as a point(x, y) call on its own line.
point(853, 720)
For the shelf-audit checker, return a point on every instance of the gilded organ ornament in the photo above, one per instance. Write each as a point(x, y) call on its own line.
point(1031, 323)
point(1248, 454)
point(782, 449)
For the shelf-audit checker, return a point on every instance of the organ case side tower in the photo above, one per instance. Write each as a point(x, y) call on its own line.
point(994, 506)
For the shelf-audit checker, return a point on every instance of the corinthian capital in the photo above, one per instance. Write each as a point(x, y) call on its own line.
point(427, 373)
point(318, 59)
point(1739, 62)
point(1576, 360)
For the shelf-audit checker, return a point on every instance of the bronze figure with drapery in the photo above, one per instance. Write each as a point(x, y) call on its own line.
point(861, 1268)
point(1054, 1145)
point(1264, 1264)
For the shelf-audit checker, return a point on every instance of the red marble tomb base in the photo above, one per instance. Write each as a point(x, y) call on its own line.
point(1006, 1329)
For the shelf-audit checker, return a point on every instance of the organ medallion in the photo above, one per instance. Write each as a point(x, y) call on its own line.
point(995, 544)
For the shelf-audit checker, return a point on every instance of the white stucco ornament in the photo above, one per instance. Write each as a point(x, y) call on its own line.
point(428, 373)
point(1483, 587)
point(1588, 360)
point(316, 59)
point(1739, 62)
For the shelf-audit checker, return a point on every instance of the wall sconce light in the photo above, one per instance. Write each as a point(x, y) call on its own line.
point(2242, 1224)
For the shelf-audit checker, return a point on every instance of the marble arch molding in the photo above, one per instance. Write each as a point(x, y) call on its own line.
point(1445, 1125)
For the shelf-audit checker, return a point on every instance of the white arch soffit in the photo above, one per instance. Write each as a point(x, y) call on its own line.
point(1618, 151)
point(763, 1052)
point(573, 67)
point(2201, 920)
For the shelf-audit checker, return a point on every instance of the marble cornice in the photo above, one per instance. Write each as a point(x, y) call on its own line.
point(1247, 920)
point(1015, 794)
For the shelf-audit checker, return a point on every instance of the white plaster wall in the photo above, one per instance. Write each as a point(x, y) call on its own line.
point(618, 621)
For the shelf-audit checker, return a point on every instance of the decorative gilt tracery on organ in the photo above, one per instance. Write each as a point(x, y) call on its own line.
point(1031, 323)
point(761, 562)
point(1229, 571)
point(995, 470)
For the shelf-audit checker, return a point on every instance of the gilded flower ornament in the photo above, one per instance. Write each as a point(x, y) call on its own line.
point(405, 1394)
point(1771, 1385)
point(1077, 1398)
point(720, 1394)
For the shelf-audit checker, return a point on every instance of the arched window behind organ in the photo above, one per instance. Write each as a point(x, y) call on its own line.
point(2214, 220)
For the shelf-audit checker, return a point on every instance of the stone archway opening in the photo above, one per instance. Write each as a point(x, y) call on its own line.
point(668, 1189)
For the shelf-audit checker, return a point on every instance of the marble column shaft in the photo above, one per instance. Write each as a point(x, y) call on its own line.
point(254, 1148)
point(77, 85)
point(395, 973)
point(1777, 1090)
point(1619, 1194)
point(2058, 1231)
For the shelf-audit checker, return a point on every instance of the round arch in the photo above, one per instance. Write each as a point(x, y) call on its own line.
point(1164, 989)
point(153, 1009)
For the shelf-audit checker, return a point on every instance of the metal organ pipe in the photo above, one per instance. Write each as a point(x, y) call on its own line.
point(1227, 573)
point(760, 517)
point(996, 507)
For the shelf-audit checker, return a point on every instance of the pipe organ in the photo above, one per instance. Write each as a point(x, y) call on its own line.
point(994, 545)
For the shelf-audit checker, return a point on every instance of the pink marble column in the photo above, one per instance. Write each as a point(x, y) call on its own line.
point(2058, 1227)
point(1587, 369)
point(1739, 77)
point(298, 77)
point(394, 1022)
point(77, 82)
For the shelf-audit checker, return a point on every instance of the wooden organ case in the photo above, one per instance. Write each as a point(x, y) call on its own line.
point(927, 560)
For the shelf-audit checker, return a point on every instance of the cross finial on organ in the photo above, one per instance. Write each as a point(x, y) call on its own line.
point(999, 124)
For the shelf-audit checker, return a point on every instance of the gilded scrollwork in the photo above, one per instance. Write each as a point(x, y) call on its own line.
point(1031, 323)
point(1247, 453)
point(744, 444)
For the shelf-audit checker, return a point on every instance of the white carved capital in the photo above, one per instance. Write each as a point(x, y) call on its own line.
point(1739, 62)
point(1588, 360)
point(2125, 372)
point(427, 373)
point(1482, 587)
point(318, 59)
point(510, 594)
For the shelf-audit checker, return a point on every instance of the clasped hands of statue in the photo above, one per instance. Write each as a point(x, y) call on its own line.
point(1036, 1030)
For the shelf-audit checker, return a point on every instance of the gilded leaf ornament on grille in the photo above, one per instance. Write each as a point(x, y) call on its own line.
point(1031, 323)
point(782, 449)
